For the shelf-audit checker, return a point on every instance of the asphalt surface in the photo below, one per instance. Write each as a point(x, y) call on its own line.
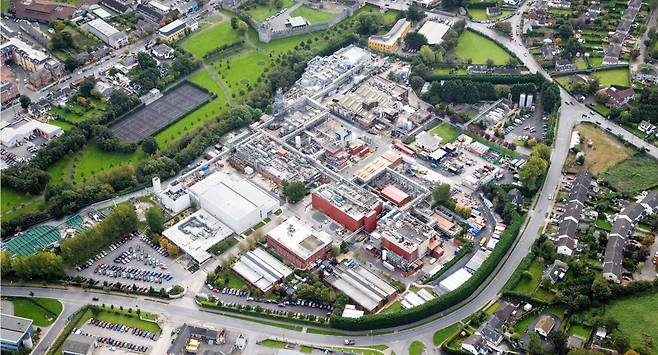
point(185, 310)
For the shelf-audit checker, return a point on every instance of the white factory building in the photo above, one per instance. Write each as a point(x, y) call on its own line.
point(106, 33)
point(236, 202)
point(175, 198)
point(196, 233)
point(434, 31)
point(13, 134)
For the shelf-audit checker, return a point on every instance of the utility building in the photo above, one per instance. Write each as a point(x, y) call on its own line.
point(106, 33)
point(299, 243)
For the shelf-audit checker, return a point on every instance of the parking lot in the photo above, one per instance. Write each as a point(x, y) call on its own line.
point(532, 125)
point(117, 336)
point(134, 260)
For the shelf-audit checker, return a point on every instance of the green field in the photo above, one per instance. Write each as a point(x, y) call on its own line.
point(635, 174)
point(416, 348)
point(43, 311)
point(121, 317)
point(617, 77)
point(479, 48)
point(444, 334)
point(394, 307)
point(526, 285)
point(312, 15)
point(251, 63)
point(59, 170)
point(74, 112)
point(636, 316)
point(206, 40)
point(64, 125)
point(260, 12)
point(480, 14)
point(4, 5)
point(446, 131)
point(93, 160)
point(578, 329)
point(12, 198)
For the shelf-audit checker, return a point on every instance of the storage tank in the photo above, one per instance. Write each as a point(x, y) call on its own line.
point(157, 187)
point(522, 100)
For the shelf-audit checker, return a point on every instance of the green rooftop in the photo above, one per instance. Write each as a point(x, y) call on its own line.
point(33, 240)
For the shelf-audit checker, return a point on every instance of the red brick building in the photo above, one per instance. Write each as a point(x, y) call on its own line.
point(348, 205)
point(298, 243)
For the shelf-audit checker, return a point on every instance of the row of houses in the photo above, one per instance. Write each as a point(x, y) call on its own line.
point(565, 238)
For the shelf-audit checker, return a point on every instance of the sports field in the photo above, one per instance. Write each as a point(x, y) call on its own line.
point(164, 111)
point(312, 15)
point(213, 37)
point(197, 118)
point(479, 48)
point(617, 77)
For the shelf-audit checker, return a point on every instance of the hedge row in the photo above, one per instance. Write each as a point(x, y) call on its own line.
point(536, 79)
point(443, 302)
point(74, 319)
point(524, 297)
point(518, 273)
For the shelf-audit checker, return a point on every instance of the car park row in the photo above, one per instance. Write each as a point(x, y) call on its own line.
point(155, 246)
point(115, 343)
point(122, 328)
point(102, 254)
point(138, 254)
point(132, 273)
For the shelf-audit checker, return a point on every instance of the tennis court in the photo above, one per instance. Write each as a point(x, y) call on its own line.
point(164, 111)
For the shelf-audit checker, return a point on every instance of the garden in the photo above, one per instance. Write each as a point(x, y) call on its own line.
point(619, 77)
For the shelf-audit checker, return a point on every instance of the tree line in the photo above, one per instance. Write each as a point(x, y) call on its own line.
point(44, 265)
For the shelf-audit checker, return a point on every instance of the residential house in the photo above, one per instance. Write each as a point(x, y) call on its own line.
point(564, 65)
point(617, 97)
point(549, 51)
point(516, 198)
point(474, 344)
point(646, 127)
point(556, 271)
point(544, 325)
point(162, 51)
point(565, 239)
point(646, 74)
point(8, 92)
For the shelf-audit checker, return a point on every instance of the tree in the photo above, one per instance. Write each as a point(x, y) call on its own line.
point(5, 263)
point(25, 101)
point(294, 191)
point(441, 194)
point(155, 219)
point(234, 23)
point(242, 27)
point(532, 172)
point(369, 23)
point(149, 145)
point(559, 341)
point(621, 342)
point(543, 151)
point(504, 27)
point(551, 96)
point(415, 14)
point(534, 344)
point(601, 97)
point(416, 82)
point(565, 31)
point(86, 86)
point(601, 289)
point(490, 62)
point(427, 55)
point(415, 40)
point(70, 63)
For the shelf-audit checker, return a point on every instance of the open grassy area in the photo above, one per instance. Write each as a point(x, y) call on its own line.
point(528, 285)
point(197, 118)
point(64, 125)
point(635, 174)
point(480, 14)
point(416, 348)
point(636, 316)
point(479, 48)
point(312, 15)
point(251, 64)
point(394, 307)
point(82, 40)
point(58, 171)
point(446, 131)
point(43, 311)
point(123, 317)
point(11, 199)
point(74, 112)
point(93, 160)
point(617, 77)
point(444, 334)
point(260, 12)
point(210, 38)
point(606, 149)
point(4, 5)
point(579, 329)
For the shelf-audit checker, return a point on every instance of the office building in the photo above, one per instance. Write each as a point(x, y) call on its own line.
point(15, 333)
point(299, 243)
point(390, 42)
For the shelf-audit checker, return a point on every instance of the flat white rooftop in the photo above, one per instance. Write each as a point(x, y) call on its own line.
point(299, 238)
point(434, 31)
point(261, 269)
point(455, 280)
point(197, 233)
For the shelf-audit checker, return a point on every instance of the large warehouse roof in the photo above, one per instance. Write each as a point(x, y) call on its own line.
point(13, 328)
point(299, 238)
point(362, 286)
point(455, 280)
point(261, 269)
point(434, 31)
point(197, 233)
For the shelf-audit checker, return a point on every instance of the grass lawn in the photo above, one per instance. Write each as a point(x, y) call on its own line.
point(312, 15)
point(480, 14)
point(564, 82)
point(479, 48)
point(251, 65)
point(602, 109)
point(492, 309)
point(274, 344)
point(635, 174)
point(235, 282)
point(12, 198)
point(4, 5)
point(606, 149)
point(306, 349)
point(446, 131)
point(199, 117)
point(213, 37)
point(616, 77)
point(523, 323)
point(595, 61)
point(394, 307)
point(260, 12)
point(636, 316)
point(603, 224)
point(444, 334)
point(526, 285)
point(64, 125)
point(581, 64)
point(579, 329)
point(416, 348)
point(93, 160)
point(58, 171)
point(43, 311)
point(125, 318)
point(77, 113)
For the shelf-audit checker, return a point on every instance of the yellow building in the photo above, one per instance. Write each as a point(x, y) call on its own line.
point(390, 42)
